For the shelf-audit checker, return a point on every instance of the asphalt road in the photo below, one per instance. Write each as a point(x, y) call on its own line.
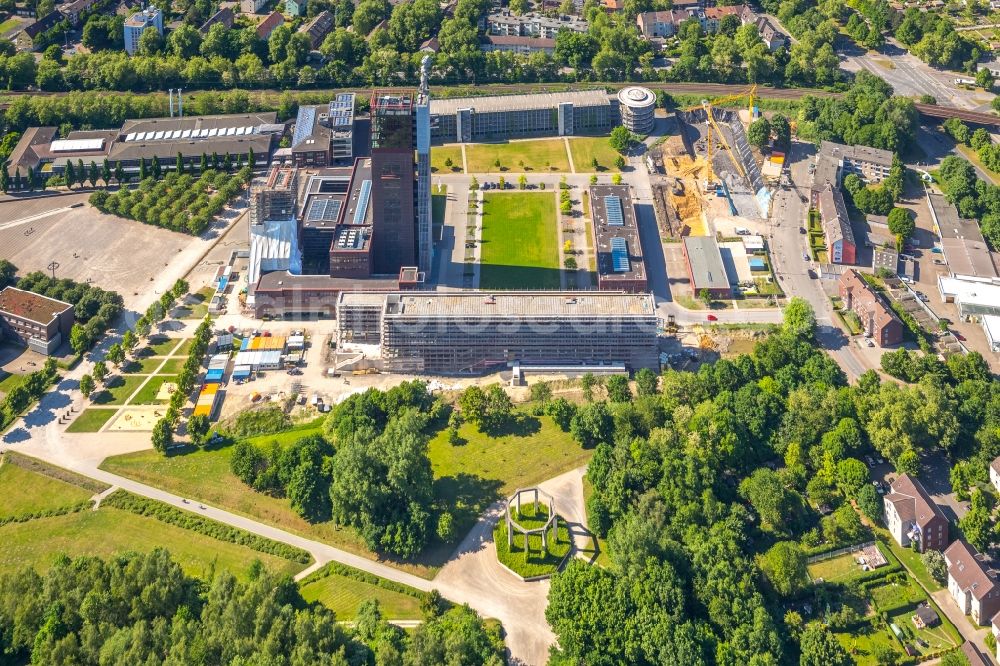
point(788, 213)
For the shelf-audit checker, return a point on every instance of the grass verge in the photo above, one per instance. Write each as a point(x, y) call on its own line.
point(91, 420)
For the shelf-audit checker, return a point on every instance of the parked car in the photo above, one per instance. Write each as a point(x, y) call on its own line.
point(922, 296)
point(712, 317)
point(802, 230)
point(805, 256)
point(958, 335)
point(936, 250)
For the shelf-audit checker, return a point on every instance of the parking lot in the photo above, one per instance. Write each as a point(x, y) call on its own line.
point(86, 245)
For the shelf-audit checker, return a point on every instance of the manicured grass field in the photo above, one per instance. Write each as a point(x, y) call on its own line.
point(195, 305)
point(122, 386)
point(535, 562)
point(148, 366)
point(441, 153)
point(162, 345)
point(91, 420)
point(586, 149)
point(343, 595)
point(542, 155)
point(23, 491)
point(528, 454)
point(185, 348)
point(147, 394)
point(108, 531)
point(520, 247)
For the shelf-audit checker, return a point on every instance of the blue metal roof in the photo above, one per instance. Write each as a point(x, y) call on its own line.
point(619, 255)
point(304, 122)
point(613, 204)
point(363, 198)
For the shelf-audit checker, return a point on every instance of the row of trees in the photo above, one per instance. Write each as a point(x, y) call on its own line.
point(143, 609)
point(974, 198)
point(163, 430)
point(178, 201)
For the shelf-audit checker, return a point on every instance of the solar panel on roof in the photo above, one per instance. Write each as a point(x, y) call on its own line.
point(616, 217)
point(304, 123)
point(619, 255)
point(362, 208)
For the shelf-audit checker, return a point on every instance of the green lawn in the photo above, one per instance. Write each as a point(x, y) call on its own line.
point(544, 155)
point(91, 420)
point(910, 559)
point(860, 643)
point(195, 305)
point(942, 637)
point(9, 24)
point(23, 491)
point(185, 348)
point(520, 246)
point(536, 561)
point(533, 452)
point(835, 569)
point(147, 394)
point(161, 345)
point(343, 595)
point(897, 596)
point(10, 381)
point(108, 531)
point(295, 433)
point(148, 366)
point(586, 149)
point(121, 387)
point(438, 202)
point(441, 153)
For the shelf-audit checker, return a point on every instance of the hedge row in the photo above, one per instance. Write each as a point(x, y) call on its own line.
point(122, 499)
point(49, 513)
point(336, 568)
point(53, 472)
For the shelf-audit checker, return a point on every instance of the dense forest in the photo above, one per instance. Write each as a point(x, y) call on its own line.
point(707, 498)
point(135, 609)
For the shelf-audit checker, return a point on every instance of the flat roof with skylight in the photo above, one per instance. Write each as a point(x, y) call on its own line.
point(620, 263)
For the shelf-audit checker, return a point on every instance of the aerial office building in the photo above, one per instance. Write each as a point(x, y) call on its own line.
point(620, 262)
point(468, 119)
point(473, 332)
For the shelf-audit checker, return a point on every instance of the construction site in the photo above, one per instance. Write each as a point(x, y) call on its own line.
point(707, 183)
point(707, 170)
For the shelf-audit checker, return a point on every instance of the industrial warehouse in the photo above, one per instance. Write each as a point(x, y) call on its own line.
point(236, 135)
point(474, 332)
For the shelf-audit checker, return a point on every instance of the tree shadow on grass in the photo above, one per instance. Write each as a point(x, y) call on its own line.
point(466, 496)
point(496, 276)
point(518, 425)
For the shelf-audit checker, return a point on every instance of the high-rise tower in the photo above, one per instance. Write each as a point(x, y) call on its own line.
point(425, 243)
point(394, 239)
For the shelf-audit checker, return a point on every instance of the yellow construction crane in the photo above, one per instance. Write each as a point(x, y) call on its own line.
point(708, 105)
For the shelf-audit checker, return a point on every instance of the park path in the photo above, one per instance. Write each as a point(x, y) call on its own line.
point(472, 576)
point(569, 155)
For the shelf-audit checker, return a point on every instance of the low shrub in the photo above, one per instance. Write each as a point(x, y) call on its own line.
point(122, 499)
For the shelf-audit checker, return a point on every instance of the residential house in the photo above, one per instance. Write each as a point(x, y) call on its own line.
point(995, 473)
point(837, 232)
point(26, 38)
point(33, 320)
point(252, 6)
point(73, 11)
point(295, 7)
point(318, 28)
point(224, 16)
point(972, 582)
point(768, 31)
point(508, 24)
point(268, 25)
point(523, 45)
point(912, 516)
point(878, 321)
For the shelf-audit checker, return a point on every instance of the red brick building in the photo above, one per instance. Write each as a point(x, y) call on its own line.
point(877, 320)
